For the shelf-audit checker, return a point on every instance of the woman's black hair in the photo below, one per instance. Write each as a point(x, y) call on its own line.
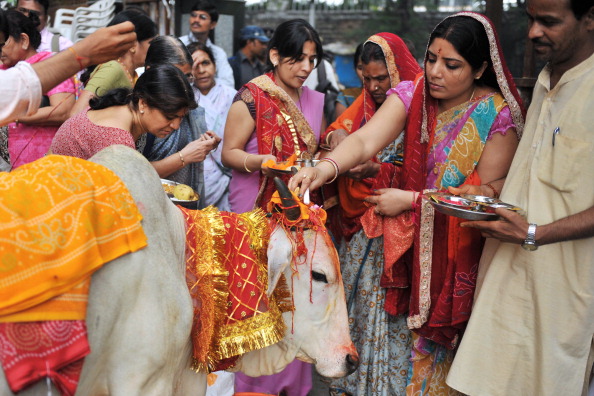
point(167, 50)
point(198, 46)
point(372, 52)
point(163, 87)
point(144, 27)
point(357, 56)
point(17, 23)
point(290, 36)
point(468, 37)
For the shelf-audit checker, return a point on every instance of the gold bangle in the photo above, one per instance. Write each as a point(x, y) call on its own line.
point(245, 163)
point(327, 136)
point(181, 157)
point(334, 165)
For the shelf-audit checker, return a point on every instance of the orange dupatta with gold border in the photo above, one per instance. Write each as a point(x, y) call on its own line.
point(401, 65)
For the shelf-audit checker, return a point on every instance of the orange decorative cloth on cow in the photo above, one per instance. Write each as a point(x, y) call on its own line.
point(61, 218)
point(227, 274)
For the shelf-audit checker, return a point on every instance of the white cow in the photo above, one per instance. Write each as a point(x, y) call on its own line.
point(139, 314)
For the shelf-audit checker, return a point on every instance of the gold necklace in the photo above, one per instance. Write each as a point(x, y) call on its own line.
point(126, 70)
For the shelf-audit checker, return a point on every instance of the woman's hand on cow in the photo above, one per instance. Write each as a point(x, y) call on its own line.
point(312, 177)
point(363, 171)
point(391, 201)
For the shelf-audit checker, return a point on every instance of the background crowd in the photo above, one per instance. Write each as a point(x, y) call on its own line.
point(433, 309)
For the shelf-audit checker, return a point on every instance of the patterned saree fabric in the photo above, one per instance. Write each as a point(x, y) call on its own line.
point(61, 218)
point(53, 349)
point(227, 275)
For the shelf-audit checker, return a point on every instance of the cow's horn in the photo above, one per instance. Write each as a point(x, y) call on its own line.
point(293, 212)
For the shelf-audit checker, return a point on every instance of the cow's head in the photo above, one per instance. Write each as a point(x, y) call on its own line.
point(319, 325)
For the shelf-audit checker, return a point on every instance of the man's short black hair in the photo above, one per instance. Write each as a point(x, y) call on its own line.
point(208, 7)
point(44, 4)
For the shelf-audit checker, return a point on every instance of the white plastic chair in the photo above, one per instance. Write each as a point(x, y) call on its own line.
point(88, 19)
point(64, 22)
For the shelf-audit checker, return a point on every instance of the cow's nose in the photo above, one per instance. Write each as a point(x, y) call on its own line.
point(352, 362)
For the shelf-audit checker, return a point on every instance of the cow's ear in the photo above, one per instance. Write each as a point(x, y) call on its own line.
point(280, 253)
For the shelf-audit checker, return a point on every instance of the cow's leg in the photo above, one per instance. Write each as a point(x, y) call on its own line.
point(40, 388)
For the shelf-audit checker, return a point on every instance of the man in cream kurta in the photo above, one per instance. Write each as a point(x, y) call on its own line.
point(532, 323)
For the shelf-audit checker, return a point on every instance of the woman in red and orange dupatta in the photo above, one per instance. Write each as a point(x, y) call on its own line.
point(462, 126)
point(274, 116)
point(382, 340)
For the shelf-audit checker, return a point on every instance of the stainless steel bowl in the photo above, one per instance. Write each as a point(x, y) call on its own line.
point(461, 212)
point(468, 206)
point(181, 202)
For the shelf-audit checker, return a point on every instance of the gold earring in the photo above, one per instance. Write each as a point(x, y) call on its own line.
point(132, 50)
point(141, 111)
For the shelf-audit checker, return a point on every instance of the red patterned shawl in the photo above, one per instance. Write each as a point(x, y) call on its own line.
point(227, 275)
point(281, 128)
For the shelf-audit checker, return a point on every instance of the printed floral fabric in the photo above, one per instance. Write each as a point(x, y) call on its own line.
point(79, 137)
point(382, 340)
point(430, 365)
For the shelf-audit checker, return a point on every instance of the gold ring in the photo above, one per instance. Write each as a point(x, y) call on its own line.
point(305, 177)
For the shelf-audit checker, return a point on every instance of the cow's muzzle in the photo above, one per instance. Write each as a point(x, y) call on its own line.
point(352, 362)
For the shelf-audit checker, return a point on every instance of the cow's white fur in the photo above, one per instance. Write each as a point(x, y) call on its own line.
point(140, 312)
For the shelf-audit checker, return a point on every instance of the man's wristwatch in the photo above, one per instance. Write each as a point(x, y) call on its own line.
point(530, 243)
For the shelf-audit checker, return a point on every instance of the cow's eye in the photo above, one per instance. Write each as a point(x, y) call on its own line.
point(319, 277)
